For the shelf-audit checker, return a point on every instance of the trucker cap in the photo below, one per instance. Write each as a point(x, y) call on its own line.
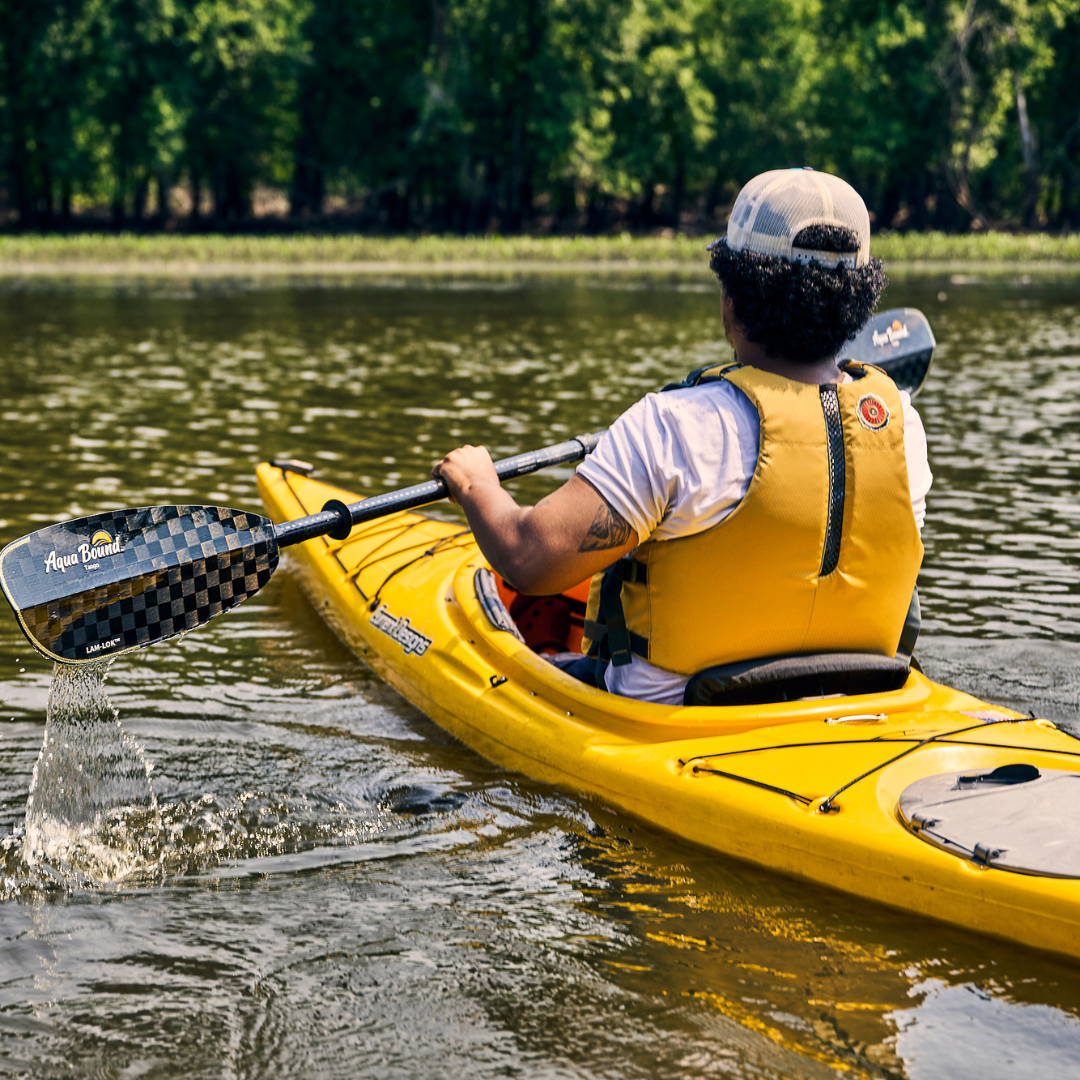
point(773, 208)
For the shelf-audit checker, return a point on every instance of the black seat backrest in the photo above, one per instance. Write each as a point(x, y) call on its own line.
point(789, 678)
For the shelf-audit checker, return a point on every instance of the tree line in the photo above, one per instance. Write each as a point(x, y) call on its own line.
point(533, 115)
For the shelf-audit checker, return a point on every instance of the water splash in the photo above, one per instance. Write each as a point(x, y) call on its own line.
point(91, 814)
point(93, 820)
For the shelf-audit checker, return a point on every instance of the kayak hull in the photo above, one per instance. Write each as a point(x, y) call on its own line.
point(747, 781)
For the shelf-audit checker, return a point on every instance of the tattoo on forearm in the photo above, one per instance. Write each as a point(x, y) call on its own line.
point(609, 529)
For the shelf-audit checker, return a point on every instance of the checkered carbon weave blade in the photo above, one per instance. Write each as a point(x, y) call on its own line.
point(118, 581)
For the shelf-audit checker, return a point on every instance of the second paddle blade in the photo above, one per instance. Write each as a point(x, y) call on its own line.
point(900, 341)
point(118, 581)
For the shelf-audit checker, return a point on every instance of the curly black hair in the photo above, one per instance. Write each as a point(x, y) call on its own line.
point(802, 311)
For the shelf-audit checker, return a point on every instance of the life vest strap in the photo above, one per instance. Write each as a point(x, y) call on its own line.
point(618, 636)
point(597, 632)
point(834, 442)
point(912, 625)
point(611, 639)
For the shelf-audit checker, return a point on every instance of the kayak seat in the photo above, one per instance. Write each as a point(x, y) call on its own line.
point(543, 621)
point(792, 678)
point(549, 623)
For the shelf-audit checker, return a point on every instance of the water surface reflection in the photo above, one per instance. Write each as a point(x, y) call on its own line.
point(342, 889)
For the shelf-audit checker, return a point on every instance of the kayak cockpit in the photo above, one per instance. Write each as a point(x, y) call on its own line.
point(528, 632)
point(553, 626)
point(548, 625)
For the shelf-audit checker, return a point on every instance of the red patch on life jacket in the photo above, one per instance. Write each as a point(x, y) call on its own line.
point(872, 411)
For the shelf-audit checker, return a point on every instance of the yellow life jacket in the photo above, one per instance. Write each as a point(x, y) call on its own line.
point(821, 555)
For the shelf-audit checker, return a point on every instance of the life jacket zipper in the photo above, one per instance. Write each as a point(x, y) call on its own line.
point(834, 441)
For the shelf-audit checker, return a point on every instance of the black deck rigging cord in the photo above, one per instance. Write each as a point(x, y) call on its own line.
point(826, 806)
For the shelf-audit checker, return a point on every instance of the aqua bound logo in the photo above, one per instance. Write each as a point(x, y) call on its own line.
point(891, 335)
point(100, 545)
point(399, 630)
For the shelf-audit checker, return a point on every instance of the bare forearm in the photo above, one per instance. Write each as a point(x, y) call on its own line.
point(505, 535)
point(542, 549)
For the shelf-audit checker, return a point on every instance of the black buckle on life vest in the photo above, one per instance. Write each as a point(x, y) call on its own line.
point(630, 570)
point(599, 649)
point(706, 374)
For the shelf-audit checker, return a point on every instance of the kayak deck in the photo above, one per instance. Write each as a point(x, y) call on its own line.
point(749, 781)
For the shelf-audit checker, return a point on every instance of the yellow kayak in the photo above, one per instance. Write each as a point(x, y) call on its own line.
point(923, 797)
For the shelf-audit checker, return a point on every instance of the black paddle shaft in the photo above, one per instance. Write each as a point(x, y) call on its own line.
point(337, 519)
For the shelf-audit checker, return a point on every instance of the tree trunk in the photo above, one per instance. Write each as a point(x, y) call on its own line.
point(196, 194)
point(119, 191)
point(162, 199)
point(645, 211)
point(1027, 151)
point(19, 170)
point(680, 188)
point(47, 191)
point(306, 196)
point(142, 186)
point(596, 213)
point(713, 198)
point(235, 203)
point(217, 190)
point(889, 206)
point(515, 211)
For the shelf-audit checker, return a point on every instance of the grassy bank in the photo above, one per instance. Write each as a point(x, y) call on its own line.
point(165, 252)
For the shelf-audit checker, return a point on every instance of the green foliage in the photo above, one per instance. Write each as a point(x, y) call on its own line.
point(552, 115)
point(202, 253)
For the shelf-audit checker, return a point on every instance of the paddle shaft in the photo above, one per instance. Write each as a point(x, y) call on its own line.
point(337, 519)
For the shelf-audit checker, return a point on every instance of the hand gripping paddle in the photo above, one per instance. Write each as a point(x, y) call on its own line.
point(113, 582)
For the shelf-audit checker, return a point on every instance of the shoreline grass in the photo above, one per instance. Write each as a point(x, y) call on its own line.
point(129, 252)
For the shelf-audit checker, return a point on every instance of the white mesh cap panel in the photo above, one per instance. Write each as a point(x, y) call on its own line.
point(773, 208)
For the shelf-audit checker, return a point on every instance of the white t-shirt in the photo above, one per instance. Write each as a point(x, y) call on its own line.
point(678, 463)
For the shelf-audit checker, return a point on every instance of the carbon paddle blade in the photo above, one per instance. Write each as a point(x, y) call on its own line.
point(113, 582)
point(900, 341)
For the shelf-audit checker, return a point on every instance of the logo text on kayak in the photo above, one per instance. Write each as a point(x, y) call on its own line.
point(100, 545)
point(412, 641)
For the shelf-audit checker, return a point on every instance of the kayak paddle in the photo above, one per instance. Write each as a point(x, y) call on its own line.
point(106, 584)
point(120, 580)
point(900, 341)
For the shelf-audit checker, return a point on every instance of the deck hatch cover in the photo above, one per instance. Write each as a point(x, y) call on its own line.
point(1015, 817)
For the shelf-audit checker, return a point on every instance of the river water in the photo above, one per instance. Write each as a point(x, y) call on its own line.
point(324, 884)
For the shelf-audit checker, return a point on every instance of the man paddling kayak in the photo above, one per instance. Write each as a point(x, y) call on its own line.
point(762, 508)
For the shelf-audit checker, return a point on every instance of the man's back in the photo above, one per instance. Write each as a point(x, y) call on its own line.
point(678, 464)
point(797, 282)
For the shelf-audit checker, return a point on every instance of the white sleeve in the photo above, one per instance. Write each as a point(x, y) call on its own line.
point(621, 470)
point(918, 467)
